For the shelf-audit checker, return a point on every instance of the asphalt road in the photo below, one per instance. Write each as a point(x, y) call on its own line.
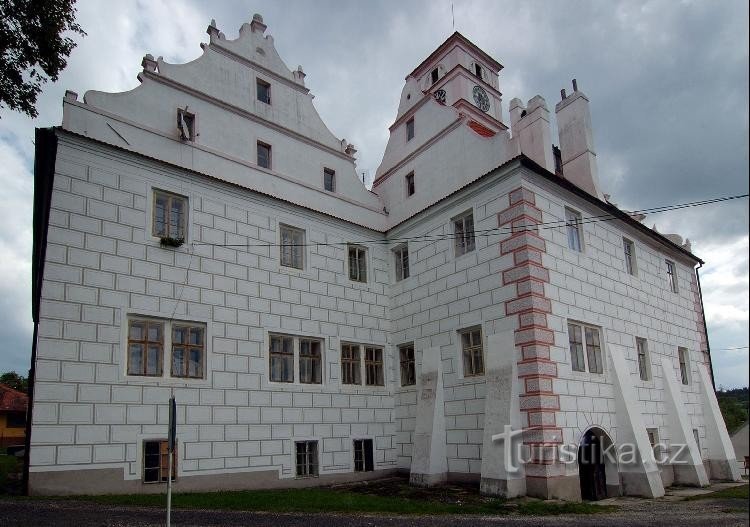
point(39, 513)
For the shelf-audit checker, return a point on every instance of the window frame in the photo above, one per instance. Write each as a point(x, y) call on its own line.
point(584, 355)
point(295, 456)
point(434, 75)
point(683, 359)
point(410, 380)
point(474, 372)
point(358, 365)
point(410, 129)
point(146, 343)
point(643, 356)
point(573, 224)
point(468, 242)
point(191, 122)
point(161, 469)
point(260, 83)
point(159, 192)
point(364, 443)
point(262, 144)
point(672, 275)
point(410, 184)
point(361, 260)
point(302, 247)
point(653, 438)
point(296, 358)
point(352, 364)
point(188, 349)
point(329, 172)
point(631, 261)
point(401, 257)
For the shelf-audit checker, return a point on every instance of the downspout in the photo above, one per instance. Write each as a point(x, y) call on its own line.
point(705, 326)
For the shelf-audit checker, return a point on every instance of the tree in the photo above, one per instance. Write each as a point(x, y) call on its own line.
point(15, 381)
point(33, 49)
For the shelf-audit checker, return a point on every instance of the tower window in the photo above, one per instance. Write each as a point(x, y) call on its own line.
point(410, 184)
point(478, 70)
point(410, 129)
point(329, 180)
point(435, 75)
point(263, 91)
point(264, 155)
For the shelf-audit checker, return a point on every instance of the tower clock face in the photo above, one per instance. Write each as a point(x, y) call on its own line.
point(481, 98)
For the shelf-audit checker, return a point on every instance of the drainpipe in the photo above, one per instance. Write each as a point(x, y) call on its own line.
point(705, 327)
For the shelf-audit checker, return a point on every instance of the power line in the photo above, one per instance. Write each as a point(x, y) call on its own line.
point(493, 231)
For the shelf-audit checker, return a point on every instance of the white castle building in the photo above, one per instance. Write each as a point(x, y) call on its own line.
point(206, 236)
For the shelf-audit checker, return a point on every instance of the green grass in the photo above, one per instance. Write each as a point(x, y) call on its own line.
point(327, 500)
point(741, 492)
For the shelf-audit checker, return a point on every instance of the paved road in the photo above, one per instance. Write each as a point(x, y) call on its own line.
point(39, 513)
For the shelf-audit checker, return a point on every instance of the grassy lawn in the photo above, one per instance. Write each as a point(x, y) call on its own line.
point(331, 500)
point(742, 493)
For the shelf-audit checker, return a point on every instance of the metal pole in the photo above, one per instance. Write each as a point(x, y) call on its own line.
point(170, 452)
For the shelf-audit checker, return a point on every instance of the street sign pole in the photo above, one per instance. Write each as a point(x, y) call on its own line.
point(170, 453)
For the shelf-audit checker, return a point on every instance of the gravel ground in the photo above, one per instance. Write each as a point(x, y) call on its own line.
point(20, 512)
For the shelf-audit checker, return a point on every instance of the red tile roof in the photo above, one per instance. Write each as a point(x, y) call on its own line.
point(12, 400)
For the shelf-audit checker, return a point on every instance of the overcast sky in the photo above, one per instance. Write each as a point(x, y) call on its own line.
point(668, 84)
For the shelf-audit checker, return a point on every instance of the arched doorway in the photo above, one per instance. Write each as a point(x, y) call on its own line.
point(597, 465)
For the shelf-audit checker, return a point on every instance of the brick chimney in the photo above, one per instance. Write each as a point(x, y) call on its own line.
point(577, 142)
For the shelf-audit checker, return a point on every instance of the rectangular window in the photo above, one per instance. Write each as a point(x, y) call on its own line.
point(406, 360)
point(307, 458)
point(463, 230)
point(263, 90)
point(653, 439)
point(684, 359)
point(350, 364)
point(578, 337)
point(156, 461)
point(401, 255)
point(357, 263)
point(292, 247)
point(310, 361)
point(410, 129)
point(186, 125)
point(329, 180)
point(409, 184)
point(671, 275)
point(573, 225)
point(473, 354)
point(373, 366)
point(697, 437)
point(188, 351)
point(435, 75)
point(478, 70)
point(169, 215)
point(145, 347)
point(281, 357)
point(643, 360)
point(264, 155)
point(629, 249)
point(363, 458)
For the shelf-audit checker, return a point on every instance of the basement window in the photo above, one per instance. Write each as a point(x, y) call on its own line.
point(156, 461)
point(363, 455)
point(307, 459)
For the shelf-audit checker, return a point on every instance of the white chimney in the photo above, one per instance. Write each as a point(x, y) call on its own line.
point(530, 126)
point(577, 142)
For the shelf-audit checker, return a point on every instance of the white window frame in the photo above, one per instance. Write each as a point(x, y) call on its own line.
point(573, 223)
point(189, 213)
point(685, 378)
point(168, 320)
point(302, 248)
point(672, 276)
point(296, 338)
point(586, 363)
point(365, 257)
point(398, 262)
point(631, 262)
point(464, 238)
point(646, 359)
